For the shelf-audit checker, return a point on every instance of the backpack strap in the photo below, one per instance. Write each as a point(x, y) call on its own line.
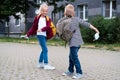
point(47, 18)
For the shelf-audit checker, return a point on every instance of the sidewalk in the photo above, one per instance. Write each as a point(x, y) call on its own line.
point(19, 61)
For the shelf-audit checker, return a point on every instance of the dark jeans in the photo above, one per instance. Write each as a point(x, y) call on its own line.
point(44, 52)
point(74, 61)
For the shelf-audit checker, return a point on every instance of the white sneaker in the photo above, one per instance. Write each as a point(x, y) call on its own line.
point(48, 67)
point(77, 76)
point(67, 73)
point(40, 65)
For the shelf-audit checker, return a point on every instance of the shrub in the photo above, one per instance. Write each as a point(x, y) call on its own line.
point(109, 30)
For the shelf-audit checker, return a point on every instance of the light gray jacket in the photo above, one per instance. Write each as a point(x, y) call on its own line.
point(77, 40)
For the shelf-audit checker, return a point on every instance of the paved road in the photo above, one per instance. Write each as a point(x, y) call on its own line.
point(18, 62)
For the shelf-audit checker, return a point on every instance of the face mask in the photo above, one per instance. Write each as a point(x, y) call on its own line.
point(96, 36)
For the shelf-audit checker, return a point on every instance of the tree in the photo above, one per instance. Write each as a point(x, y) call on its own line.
point(11, 7)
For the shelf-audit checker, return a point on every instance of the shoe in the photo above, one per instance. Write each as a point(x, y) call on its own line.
point(77, 76)
point(67, 73)
point(40, 65)
point(48, 67)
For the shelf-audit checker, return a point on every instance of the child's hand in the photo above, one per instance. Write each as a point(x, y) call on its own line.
point(24, 36)
point(39, 30)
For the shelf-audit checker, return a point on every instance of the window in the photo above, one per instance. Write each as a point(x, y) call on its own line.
point(109, 9)
point(6, 24)
point(17, 22)
point(114, 8)
point(82, 11)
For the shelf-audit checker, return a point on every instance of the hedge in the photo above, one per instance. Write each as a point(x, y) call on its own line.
point(109, 30)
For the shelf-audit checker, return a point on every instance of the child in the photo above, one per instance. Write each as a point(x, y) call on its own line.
point(76, 40)
point(39, 27)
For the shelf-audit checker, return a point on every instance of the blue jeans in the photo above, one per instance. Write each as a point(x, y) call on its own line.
point(44, 52)
point(74, 61)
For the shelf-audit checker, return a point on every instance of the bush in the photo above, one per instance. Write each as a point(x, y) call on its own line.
point(109, 30)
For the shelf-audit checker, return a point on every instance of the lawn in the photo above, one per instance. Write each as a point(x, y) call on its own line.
point(58, 42)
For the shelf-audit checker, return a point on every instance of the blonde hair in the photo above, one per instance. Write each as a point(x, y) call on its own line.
point(42, 7)
point(69, 10)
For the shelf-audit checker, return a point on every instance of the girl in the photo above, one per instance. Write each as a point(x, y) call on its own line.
point(39, 27)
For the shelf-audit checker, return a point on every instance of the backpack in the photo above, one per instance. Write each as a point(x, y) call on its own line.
point(51, 31)
point(63, 29)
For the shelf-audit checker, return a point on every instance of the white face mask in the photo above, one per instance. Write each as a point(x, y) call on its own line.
point(96, 36)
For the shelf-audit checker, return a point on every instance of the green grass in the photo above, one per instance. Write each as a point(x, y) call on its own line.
point(53, 42)
point(16, 40)
point(58, 42)
point(112, 47)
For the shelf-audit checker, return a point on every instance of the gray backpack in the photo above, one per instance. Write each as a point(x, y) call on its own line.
point(63, 29)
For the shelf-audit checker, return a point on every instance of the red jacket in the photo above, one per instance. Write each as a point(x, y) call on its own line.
point(33, 29)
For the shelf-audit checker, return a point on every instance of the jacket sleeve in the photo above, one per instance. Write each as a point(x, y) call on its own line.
point(84, 23)
point(33, 29)
point(45, 28)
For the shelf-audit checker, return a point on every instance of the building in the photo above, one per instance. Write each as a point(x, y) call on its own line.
point(13, 28)
point(90, 8)
point(85, 9)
